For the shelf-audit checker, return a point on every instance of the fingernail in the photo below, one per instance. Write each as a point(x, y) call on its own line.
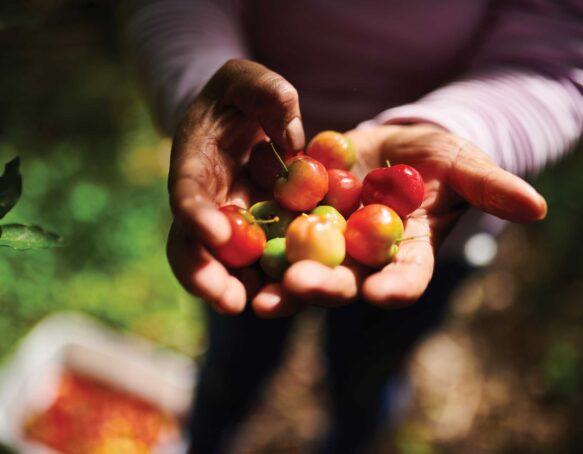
point(217, 230)
point(543, 208)
point(294, 134)
point(268, 300)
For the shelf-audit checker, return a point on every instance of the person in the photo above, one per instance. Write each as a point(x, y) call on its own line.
point(473, 94)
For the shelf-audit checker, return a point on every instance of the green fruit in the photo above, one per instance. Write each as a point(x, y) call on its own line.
point(273, 261)
point(268, 210)
point(331, 214)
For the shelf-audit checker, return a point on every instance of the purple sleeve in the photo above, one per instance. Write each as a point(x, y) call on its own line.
point(521, 99)
point(177, 45)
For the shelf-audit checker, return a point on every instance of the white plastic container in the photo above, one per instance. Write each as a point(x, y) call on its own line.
point(71, 341)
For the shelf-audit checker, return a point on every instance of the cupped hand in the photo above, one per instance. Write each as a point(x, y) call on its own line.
point(456, 174)
point(242, 103)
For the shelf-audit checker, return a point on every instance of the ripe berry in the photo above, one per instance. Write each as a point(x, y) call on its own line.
point(333, 149)
point(399, 187)
point(247, 240)
point(343, 191)
point(372, 235)
point(305, 184)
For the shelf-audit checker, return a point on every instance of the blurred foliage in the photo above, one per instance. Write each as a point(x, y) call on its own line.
point(94, 170)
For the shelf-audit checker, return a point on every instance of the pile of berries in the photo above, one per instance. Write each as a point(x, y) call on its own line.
point(90, 417)
point(313, 193)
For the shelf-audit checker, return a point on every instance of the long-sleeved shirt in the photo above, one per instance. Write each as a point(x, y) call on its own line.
point(504, 74)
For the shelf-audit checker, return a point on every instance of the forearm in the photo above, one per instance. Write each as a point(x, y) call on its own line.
point(176, 46)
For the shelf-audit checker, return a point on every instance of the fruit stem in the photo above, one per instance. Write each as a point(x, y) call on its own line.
point(267, 221)
point(388, 163)
point(248, 216)
point(415, 237)
point(283, 166)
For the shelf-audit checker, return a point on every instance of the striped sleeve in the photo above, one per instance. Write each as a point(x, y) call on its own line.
point(521, 100)
point(176, 46)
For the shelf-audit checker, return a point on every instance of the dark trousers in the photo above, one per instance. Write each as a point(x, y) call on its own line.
point(365, 347)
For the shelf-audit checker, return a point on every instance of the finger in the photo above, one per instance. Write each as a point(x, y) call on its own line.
point(200, 178)
point(233, 298)
point(240, 193)
point(488, 187)
point(266, 97)
point(196, 215)
point(202, 275)
point(318, 284)
point(272, 302)
point(404, 280)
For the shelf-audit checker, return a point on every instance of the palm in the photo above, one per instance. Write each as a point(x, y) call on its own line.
point(455, 174)
point(205, 173)
point(411, 269)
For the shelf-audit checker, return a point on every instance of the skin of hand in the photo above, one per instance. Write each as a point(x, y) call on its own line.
point(241, 104)
point(456, 174)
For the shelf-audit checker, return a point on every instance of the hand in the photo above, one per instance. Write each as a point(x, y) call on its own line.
point(456, 174)
point(240, 104)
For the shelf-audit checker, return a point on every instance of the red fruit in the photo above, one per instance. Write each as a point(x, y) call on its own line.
point(305, 184)
point(264, 167)
point(343, 191)
point(372, 235)
point(333, 149)
point(400, 187)
point(247, 239)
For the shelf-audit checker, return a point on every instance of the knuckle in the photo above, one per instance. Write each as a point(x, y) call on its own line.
point(231, 65)
point(280, 91)
point(223, 78)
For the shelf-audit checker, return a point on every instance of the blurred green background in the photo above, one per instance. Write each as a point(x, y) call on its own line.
point(94, 171)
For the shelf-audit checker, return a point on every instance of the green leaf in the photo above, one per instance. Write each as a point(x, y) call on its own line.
point(10, 187)
point(22, 237)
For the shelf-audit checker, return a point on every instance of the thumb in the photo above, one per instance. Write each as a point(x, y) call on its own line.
point(262, 96)
point(476, 178)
